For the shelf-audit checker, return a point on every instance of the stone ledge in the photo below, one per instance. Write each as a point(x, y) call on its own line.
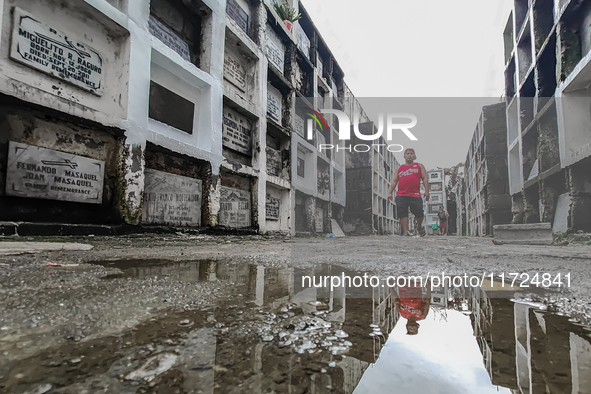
point(67, 229)
point(523, 234)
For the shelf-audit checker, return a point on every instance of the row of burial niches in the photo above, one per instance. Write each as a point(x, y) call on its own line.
point(178, 192)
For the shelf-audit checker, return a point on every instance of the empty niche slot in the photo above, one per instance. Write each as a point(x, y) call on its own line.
point(168, 107)
point(521, 8)
point(532, 204)
point(515, 180)
point(531, 166)
point(543, 19)
point(547, 73)
point(548, 152)
point(575, 39)
point(512, 122)
point(510, 79)
point(508, 38)
point(524, 54)
point(526, 102)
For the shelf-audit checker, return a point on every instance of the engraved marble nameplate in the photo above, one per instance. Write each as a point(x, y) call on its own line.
point(272, 208)
point(61, 55)
point(236, 131)
point(234, 207)
point(171, 199)
point(49, 174)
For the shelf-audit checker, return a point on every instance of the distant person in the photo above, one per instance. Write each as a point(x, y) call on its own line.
point(442, 217)
point(412, 305)
point(408, 178)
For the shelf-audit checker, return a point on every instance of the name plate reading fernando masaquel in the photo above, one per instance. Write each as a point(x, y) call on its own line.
point(44, 173)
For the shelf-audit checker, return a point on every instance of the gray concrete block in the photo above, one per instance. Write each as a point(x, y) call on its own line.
point(523, 234)
point(561, 213)
point(336, 229)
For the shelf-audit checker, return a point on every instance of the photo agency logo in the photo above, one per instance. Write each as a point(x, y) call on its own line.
point(391, 123)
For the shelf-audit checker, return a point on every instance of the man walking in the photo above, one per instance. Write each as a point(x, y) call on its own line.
point(408, 178)
point(442, 217)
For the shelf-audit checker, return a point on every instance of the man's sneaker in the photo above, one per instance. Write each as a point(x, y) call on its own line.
point(406, 235)
point(422, 232)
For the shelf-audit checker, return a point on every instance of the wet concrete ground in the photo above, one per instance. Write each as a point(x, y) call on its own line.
point(193, 314)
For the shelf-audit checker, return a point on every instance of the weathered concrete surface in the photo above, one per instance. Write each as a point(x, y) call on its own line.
point(11, 248)
point(524, 234)
point(47, 307)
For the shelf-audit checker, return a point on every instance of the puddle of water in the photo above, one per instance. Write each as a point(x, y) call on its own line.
point(282, 337)
point(199, 270)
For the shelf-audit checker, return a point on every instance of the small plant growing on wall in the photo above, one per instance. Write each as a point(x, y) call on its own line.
point(287, 13)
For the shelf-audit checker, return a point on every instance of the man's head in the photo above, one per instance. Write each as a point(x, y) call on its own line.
point(409, 155)
point(412, 327)
point(441, 208)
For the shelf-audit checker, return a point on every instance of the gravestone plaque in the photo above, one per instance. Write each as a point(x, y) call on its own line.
point(237, 13)
point(234, 207)
point(274, 103)
point(47, 49)
point(299, 125)
point(274, 164)
point(272, 208)
point(169, 38)
point(234, 71)
point(303, 42)
point(171, 199)
point(236, 131)
point(49, 174)
point(319, 220)
point(275, 49)
point(300, 167)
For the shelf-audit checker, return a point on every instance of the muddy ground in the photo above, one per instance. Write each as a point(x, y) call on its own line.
point(115, 318)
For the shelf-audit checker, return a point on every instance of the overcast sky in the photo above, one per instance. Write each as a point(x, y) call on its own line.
point(443, 358)
point(420, 48)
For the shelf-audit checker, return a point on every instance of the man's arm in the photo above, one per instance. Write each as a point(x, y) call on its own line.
point(425, 181)
point(393, 185)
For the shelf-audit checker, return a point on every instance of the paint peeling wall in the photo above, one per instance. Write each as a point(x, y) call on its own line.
point(36, 127)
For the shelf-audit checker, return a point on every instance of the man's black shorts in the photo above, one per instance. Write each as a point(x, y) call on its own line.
point(415, 204)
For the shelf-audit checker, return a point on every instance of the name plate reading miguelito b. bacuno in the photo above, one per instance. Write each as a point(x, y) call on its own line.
point(44, 173)
point(171, 199)
point(45, 48)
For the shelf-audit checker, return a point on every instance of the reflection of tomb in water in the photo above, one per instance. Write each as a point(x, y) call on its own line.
point(529, 350)
point(270, 368)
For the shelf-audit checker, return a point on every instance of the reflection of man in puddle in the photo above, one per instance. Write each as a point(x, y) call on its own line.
point(412, 304)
